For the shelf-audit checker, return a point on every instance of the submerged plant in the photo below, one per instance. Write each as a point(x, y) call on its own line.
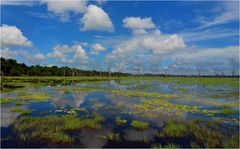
point(139, 125)
point(120, 121)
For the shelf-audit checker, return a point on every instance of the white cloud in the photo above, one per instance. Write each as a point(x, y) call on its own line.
point(67, 55)
point(63, 8)
point(138, 23)
point(227, 12)
point(39, 57)
point(96, 19)
point(208, 59)
point(12, 36)
point(146, 45)
point(17, 2)
point(80, 54)
point(97, 48)
point(215, 33)
point(7, 53)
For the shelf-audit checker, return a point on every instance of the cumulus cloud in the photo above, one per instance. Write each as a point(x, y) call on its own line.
point(7, 53)
point(138, 25)
point(144, 45)
point(96, 19)
point(39, 57)
point(208, 59)
point(68, 55)
point(29, 56)
point(12, 36)
point(97, 48)
point(63, 9)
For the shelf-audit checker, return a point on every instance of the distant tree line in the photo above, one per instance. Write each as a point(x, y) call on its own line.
point(10, 67)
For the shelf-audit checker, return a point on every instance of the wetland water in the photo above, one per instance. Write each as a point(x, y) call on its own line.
point(126, 113)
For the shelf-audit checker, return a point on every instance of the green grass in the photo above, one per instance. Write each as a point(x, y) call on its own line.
point(53, 128)
point(120, 121)
point(139, 125)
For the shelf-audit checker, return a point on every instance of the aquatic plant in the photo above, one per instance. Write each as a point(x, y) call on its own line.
point(16, 109)
point(113, 136)
point(120, 121)
point(174, 129)
point(139, 125)
point(26, 112)
point(21, 111)
point(5, 100)
point(170, 145)
point(157, 106)
point(204, 133)
point(53, 128)
point(227, 110)
point(18, 103)
point(143, 94)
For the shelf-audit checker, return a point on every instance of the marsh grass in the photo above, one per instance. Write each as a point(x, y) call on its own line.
point(120, 121)
point(53, 128)
point(207, 134)
point(19, 100)
point(174, 129)
point(139, 125)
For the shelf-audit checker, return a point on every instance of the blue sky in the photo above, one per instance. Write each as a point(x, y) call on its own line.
point(181, 37)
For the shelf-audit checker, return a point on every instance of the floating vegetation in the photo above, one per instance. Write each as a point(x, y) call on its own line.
point(80, 89)
point(139, 125)
point(18, 103)
point(21, 111)
point(16, 109)
point(5, 100)
point(228, 110)
point(113, 136)
point(159, 106)
point(120, 121)
point(143, 94)
point(53, 128)
point(71, 112)
point(170, 145)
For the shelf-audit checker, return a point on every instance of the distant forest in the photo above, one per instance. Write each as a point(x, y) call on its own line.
point(10, 67)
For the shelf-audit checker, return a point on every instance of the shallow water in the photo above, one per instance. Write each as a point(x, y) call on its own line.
point(110, 105)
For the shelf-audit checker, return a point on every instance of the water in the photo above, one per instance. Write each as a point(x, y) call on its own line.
point(111, 105)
